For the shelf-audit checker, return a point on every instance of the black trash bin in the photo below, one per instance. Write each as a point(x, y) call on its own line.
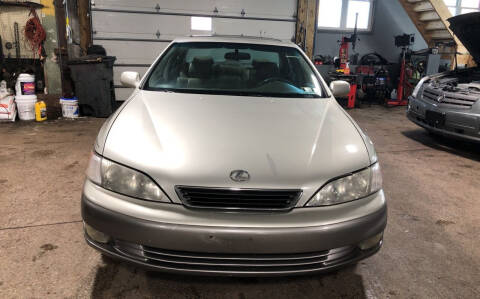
point(93, 79)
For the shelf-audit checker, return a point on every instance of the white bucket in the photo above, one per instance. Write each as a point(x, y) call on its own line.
point(25, 85)
point(26, 106)
point(69, 107)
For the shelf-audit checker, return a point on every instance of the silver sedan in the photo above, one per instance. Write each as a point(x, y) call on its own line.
point(232, 157)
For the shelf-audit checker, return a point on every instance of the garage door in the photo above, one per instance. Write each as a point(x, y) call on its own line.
point(137, 31)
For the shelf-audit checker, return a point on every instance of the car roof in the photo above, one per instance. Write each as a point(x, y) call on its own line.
point(236, 39)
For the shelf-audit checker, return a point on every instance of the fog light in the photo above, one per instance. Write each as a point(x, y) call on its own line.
point(96, 235)
point(371, 242)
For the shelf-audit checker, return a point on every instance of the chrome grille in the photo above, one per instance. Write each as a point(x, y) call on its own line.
point(240, 199)
point(452, 99)
point(239, 263)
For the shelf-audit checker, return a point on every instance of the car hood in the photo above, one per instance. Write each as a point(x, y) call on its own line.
point(467, 28)
point(198, 140)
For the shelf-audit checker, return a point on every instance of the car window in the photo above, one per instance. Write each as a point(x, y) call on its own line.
point(234, 68)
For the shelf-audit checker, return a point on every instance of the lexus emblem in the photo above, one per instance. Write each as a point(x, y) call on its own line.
point(441, 98)
point(240, 176)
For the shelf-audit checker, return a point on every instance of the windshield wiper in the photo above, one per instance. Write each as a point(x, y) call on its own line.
point(309, 95)
point(235, 93)
point(169, 90)
point(286, 95)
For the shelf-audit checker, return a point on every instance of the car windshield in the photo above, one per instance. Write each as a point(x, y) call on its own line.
point(235, 69)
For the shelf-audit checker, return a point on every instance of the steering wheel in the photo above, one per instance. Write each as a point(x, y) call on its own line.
point(268, 80)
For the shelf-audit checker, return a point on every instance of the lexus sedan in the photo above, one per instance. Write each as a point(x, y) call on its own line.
point(232, 157)
point(448, 103)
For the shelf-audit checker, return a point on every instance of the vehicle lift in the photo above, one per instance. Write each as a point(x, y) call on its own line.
point(343, 71)
point(403, 41)
point(344, 45)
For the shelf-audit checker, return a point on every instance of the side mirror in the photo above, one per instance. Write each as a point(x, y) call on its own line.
point(340, 88)
point(130, 79)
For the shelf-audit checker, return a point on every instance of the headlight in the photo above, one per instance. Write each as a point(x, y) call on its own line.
point(348, 188)
point(419, 86)
point(124, 180)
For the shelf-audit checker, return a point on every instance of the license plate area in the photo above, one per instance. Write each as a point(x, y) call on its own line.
point(435, 119)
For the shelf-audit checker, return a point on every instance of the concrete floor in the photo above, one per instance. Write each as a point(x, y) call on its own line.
point(431, 249)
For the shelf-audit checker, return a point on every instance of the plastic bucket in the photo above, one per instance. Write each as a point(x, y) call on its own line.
point(25, 85)
point(69, 107)
point(26, 106)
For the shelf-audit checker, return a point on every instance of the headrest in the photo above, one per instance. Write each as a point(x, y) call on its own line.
point(265, 69)
point(201, 67)
point(265, 65)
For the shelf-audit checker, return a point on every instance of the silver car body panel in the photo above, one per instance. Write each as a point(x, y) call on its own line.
point(199, 139)
point(460, 122)
point(103, 133)
point(178, 214)
point(99, 145)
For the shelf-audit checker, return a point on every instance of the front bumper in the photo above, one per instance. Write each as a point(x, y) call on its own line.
point(236, 251)
point(459, 123)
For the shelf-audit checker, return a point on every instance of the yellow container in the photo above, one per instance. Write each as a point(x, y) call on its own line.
point(40, 111)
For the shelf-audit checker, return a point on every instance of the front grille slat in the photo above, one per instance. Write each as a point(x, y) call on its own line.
point(244, 199)
point(240, 257)
point(246, 263)
point(449, 99)
point(235, 263)
point(237, 196)
point(239, 192)
point(239, 204)
point(457, 102)
point(240, 200)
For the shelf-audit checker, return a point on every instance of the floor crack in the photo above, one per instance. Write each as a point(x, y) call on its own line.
point(39, 225)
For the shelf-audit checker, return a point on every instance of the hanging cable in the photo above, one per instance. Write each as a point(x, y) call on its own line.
point(34, 33)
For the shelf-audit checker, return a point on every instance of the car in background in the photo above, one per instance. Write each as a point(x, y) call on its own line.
point(232, 157)
point(448, 103)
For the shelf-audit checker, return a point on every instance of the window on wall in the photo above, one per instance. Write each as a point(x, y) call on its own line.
point(201, 24)
point(458, 7)
point(341, 14)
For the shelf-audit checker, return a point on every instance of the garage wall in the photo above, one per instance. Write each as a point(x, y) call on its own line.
point(9, 15)
point(137, 31)
point(390, 19)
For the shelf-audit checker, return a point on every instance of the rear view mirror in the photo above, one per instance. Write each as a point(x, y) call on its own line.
point(237, 56)
point(130, 79)
point(340, 88)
